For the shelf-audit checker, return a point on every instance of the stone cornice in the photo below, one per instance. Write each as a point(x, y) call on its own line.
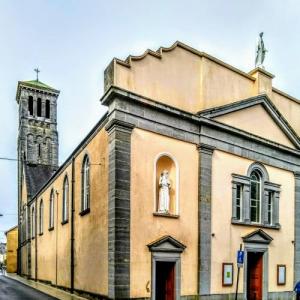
point(117, 93)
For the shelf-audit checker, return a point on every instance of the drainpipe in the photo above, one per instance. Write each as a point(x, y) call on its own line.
point(56, 236)
point(72, 224)
point(36, 239)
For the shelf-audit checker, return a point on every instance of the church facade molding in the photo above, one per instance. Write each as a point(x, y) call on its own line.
point(147, 114)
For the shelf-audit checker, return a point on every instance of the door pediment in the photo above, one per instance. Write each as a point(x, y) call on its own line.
point(166, 244)
point(258, 236)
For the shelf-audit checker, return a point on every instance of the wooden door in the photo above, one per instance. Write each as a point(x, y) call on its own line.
point(165, 281)
point(255, 268)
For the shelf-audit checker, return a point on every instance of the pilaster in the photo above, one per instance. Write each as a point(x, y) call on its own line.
point(204, 217)
point(119, 209)
point(297, 228)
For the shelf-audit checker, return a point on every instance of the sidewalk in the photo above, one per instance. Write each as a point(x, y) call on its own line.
point(49, 290)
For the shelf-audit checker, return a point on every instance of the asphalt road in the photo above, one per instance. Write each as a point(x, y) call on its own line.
point(13, 290)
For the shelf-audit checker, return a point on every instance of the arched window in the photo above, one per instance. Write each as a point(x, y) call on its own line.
point(51, 210)
point(32, 223)
point(85, 181)
point(41, 217)
point(65, 204)
point(30, 105)
point(39, 107)
point(255, 196)
point(255, 199)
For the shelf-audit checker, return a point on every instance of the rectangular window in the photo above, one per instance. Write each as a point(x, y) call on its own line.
point(47, 112)
point(30, 105)
point(238, 206)
point(39, 107)
point(270, 207)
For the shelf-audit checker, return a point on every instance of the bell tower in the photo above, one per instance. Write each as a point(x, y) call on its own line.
point(38, 136)
point(37, 152)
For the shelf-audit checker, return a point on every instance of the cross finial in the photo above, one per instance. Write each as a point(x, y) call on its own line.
point(37, 73)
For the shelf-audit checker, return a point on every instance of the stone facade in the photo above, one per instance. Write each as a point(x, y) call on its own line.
point(37, 151)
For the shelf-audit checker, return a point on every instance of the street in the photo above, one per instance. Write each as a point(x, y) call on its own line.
point(13, 290)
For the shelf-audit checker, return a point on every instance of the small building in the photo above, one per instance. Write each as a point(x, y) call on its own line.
point(11, 249)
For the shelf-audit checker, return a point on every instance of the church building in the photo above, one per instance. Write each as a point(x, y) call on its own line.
point(193, 160)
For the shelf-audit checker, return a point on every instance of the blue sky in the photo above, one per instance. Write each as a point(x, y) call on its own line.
point(73, 41)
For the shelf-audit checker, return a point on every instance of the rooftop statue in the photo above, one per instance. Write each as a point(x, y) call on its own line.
point(260, 51)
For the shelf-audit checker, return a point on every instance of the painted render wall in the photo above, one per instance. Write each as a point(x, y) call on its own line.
point(91, 230)
point(221, 85)
point(256, 120)
point(54, 246)
point(145, 227)
point(193, 81)
point(91, 240)
point(290, 109)
point(227, 237)
point(11, 250)
point(164, 79)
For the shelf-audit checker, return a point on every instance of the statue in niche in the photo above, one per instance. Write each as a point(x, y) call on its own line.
point(164, 192)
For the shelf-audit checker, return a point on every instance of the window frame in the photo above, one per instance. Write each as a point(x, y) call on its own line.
point(65, 201)
point(85, 186)
point(32, 222)
point(266, 187)
point(258, 182)
point(41, 218)
point(239, 207)
point(51, 211)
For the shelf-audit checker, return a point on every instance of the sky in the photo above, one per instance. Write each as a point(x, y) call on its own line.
point(72, 42)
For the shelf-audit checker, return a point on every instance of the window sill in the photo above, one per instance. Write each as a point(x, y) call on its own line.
point(64, 222)
point(242, 223)
point(85, 212)
point(40, 234)
point(50, 228)
point(157, 214)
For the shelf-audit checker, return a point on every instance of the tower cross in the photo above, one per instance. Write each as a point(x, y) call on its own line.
point(37, 73)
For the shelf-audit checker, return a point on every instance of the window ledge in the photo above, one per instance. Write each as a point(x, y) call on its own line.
point(50, 228)
point(64, 222)
point(157, 214)
point(85, 212)
point(236, 222)
point(41, 233)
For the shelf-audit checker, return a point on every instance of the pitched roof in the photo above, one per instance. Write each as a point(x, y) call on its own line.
point(36, 84)
point(36, 176)
point(39, 84)
point(10, 229)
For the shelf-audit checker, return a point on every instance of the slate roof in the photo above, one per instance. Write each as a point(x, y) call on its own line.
point(35, 84)
point(38, 84)
point(36, 176)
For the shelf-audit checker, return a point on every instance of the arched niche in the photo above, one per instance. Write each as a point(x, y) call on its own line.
point(165, 161)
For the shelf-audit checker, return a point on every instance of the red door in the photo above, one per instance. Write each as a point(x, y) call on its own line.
point(255, 267)
point(165, 281)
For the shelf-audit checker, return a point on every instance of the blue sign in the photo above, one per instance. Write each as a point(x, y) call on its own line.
point(240, 257)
